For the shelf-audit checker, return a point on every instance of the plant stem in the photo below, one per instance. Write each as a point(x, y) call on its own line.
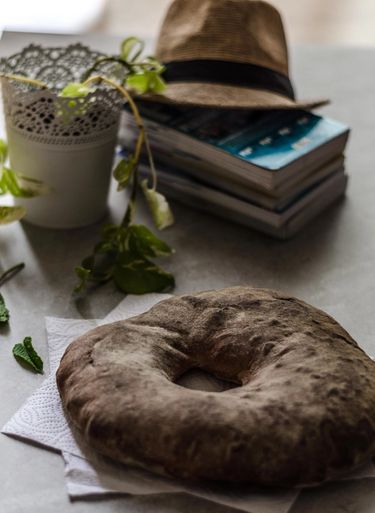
point(7, 275)
point(128, 217)
point(142, 139)
point(87, 73)
point(124, 92)
point(25, 80)
point(151, 162)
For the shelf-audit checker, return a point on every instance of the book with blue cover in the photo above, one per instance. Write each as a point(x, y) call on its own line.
point(270, 170)
point(252, 147)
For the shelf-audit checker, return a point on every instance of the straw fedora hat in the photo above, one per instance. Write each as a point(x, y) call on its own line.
point(226, 53)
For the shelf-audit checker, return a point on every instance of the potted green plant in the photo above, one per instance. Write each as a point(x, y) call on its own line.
point(62, 108)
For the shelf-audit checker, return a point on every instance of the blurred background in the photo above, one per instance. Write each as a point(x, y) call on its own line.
point(343, 22)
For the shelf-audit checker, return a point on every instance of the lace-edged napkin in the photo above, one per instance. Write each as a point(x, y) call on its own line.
point(41, 419)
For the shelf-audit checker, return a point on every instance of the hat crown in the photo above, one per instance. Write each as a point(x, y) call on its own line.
point(245, 31)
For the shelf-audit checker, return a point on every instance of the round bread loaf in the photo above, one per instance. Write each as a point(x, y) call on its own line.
point(302, 409)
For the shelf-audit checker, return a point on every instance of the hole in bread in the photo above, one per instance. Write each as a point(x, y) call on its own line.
point(198, 379)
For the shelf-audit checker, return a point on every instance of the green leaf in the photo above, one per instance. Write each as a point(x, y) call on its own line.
point(33, 355)
point(10, 214)
point(152, 63)
point(138, 82)
point(159, 207)
point(146, 82)
point(117, 236)
point(3, 151)
point(140, 276)
point(9, 182)
point(131, 48)
point(4, 312)
point(97, 267)
point(104, 247)
point(143, 242)
point(84, 277)
point(156, 84)
point(21, 186)
point(25, 353)
point(110, 232)
point(32, 187)
point(7, 275)
point(122, 255)
point(124, 170)
point(11, 272)
point(75, 90)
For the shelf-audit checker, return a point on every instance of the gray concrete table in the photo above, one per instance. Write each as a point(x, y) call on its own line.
point(331, 264)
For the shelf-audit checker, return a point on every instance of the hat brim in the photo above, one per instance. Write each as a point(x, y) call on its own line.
point(231, 97)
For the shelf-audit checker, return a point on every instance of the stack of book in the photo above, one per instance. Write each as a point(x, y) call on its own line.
point(273, 171)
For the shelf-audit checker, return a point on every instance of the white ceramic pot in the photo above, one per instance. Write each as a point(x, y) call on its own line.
point(66, 143)
point(77, 174)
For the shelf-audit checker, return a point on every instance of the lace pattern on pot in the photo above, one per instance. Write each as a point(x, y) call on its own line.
point(56, 66)
point(45, 117)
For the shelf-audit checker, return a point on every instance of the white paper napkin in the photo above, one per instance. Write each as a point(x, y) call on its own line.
point(41, 419)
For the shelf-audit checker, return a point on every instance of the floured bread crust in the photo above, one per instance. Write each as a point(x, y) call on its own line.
point(303, 411)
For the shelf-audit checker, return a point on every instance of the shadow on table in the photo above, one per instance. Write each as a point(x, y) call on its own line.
point(217, 253)
point(210, 253)
point(58, 252)
point(357, 496)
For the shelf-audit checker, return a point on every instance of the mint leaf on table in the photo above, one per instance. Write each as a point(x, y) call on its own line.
point(25, 353)
point(4, 312)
